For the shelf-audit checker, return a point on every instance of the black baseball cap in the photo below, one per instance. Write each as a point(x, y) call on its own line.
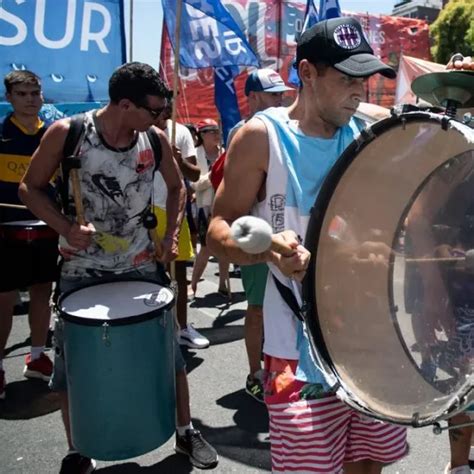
point(341, 43)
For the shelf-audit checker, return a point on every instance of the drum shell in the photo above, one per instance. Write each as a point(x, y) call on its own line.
point(121, 385)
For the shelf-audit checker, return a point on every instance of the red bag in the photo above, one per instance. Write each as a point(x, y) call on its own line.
point(217, 171)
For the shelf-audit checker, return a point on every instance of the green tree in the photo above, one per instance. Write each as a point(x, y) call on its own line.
point(453, 31)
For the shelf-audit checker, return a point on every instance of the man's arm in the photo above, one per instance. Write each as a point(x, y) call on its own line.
point(187, 165)
point(244, 174)
point(32, 191)
point(176, 200)
point(185, 156)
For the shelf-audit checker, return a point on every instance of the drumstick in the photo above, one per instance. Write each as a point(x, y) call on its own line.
point(254, 235)
point(13, 206)
point(76, 192)
point(435, 259)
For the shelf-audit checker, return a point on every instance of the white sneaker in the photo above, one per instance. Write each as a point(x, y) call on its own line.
point(457, 470)
point(191, 338)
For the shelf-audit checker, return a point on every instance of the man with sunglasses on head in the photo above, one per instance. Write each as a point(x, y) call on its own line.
point(116, 179)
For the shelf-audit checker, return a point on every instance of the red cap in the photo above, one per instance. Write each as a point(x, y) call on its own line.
point(207, 124)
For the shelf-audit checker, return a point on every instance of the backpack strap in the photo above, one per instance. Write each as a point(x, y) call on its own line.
point(73, 138)
point(155, 143)
point(76, 129)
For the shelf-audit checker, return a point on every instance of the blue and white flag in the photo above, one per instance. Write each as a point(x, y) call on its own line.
point(209, 36)
point(329, 9)
point(72, 45)
point(311, 17)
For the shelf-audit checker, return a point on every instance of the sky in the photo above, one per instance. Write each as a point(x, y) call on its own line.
point(148, 15)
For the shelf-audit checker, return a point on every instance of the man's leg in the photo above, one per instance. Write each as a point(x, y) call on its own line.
point(182, 299)
point(253, 333)
point(199, 266)
point(37, 364)
point(459, 443)
point(39, 315)
point(363, 467)
point(189, 441)
point(7, 302)
point(254, 278)
point(188, 336)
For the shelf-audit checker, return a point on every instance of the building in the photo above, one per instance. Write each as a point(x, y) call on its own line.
point(422, 9)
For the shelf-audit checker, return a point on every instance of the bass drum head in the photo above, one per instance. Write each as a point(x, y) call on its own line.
point(391, 281)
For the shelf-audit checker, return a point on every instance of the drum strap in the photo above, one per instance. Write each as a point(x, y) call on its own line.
point(289, 299)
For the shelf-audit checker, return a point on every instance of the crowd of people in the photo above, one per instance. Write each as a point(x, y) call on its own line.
point(127, 175)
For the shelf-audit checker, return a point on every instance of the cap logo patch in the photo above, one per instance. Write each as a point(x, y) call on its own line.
point(347, 36)
point(272, 78)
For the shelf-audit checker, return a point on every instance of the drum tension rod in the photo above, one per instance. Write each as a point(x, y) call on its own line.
point(438, 429)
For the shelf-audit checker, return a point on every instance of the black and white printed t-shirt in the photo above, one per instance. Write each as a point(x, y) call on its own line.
point(116, 186)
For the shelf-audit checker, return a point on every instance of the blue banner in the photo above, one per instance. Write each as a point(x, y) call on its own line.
point(329, 9)
point(225, 97)
point(311, 17)
point(73, 45)
point(209, 35)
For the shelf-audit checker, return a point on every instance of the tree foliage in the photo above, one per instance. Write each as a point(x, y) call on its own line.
point(453, 31)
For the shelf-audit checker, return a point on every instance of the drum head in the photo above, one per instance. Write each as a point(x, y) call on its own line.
point(391, 281)
point(118, 302)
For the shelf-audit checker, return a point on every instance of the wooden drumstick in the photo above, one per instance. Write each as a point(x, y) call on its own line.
point(435, 259)
point(13, 206)
point(254, 235)
point(76, 192)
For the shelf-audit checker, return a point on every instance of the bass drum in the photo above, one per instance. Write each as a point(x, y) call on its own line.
point(390, 287)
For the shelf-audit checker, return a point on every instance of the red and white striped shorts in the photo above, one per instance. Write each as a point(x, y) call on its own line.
point(320, 435)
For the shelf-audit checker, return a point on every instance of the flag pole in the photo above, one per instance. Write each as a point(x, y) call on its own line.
point(177, 36)
point(130, 43)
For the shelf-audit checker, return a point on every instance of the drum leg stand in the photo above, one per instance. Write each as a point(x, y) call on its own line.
point(438, 429)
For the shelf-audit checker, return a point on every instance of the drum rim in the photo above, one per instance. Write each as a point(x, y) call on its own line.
point(128, 320)
point(313, 233)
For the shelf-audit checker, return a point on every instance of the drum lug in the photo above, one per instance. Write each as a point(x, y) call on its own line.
point(105, 334)
point(437, 430)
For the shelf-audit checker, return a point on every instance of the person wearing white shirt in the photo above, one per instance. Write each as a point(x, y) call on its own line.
point(185, 155)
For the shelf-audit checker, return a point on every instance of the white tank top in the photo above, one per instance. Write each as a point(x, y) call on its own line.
point(116, 187)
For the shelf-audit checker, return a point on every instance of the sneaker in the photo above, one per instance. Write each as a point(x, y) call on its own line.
point(75, 463)
point(3, 384)
point(40, 368)
point(201, 454)
point(191, 338)
point(254, 388)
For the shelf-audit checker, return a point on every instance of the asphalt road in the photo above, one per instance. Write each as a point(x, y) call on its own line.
point(31, 433)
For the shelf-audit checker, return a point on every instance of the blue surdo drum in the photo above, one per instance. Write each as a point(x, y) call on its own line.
point(119, 352)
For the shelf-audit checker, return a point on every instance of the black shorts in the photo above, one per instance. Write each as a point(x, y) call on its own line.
point(27, 263)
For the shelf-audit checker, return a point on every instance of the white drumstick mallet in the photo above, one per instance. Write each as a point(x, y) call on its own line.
point(254, 235)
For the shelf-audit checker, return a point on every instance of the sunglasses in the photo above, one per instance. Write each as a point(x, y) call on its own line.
point(155, 113)
point(210, 131)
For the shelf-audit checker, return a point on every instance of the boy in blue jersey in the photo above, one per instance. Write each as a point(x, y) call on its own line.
point(28, 250)
point(283, 157)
